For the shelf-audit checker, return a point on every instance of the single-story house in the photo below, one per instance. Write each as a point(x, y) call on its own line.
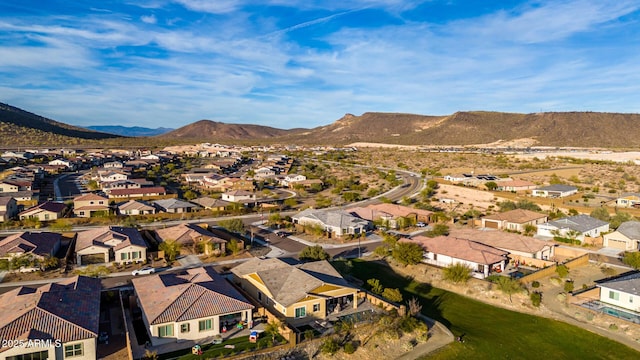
point(239, 196)
point(291, 179)
point(110, 243)
point(89, 205)
point(390, 213)
point(61, 318)
point(515, 244)
point(136, 207)
point(515, 185)
point(137, 192)
point(193, 305)
point(621, 292)
point(46, 211)
point(515, 220)
point(174, 206)
point(38, 244)
point(555, 191)
point(190, 235)
point(626, 237)
point(211, 203)
point(334, 222)
point(577, 227)
point(8, 208)
point(628, 200)
point(444, 251)
point(300, 292)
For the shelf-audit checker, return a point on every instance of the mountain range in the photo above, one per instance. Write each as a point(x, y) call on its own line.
point(129, 130)
point(575, 129)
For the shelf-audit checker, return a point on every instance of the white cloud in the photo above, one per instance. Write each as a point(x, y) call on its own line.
point(150, 19)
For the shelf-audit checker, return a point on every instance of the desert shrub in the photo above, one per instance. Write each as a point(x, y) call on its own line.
point(330, 346)
point(536, 298)
point(535, 284)
point(568, 286)
point(613, 327)
point(392, 295)
point(349, 347)
point(457, 273)
point(375, 286)
point(562, 271)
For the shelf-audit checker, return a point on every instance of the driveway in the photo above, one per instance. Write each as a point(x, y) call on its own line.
point(190, 261)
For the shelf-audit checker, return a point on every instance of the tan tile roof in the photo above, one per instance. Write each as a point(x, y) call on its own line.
point(89, 196)
point(516, 216)
point(195, 294)
point(187, 234)
point(502, 240)
point(138, 191)
point(135, 205)
point(515, 183)
point(67, 310)
point(287, 283)
point(123, 235)
point(462, 249)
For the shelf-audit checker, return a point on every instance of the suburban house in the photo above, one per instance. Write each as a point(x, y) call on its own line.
point(190, 236)
point(518, 246)
point(140, 192)
point(443, 251)
point(89, 205)
point(110, 243)
point(8, 208)
point(290, 179)
point(239, 196)
point(113, 165)
point(577, 227)
point(110, 176)
point(264, 172)
point(68, 164)
point(515, 185)
point(301, 293)
point(39, 244)
point(389, 214)
point(61, 318)
point(8, 187)
point(622, 292)
point(334, 222)
point(174, 206)
point(628, 200)
point(211, 203)
point(626, 237)
point(515, 220)
point(135, 207)
point(555, 191)
point(46, 211)
point(194, 305)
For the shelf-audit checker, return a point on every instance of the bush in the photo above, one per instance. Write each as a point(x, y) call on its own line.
point(568, 286)
point(535, 284)
point(562, 271)
point(375, 286)
point(613, 327)
point(330, 346)
point(457, 273)
point(349, 347)
point(536, 298)
point(407, 253)
point(313, 253)
point(392, 295)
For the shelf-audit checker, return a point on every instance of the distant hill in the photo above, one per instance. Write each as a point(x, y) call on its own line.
point(129, 130)
point(22, 128)
point(216, 131)
point(579, 129)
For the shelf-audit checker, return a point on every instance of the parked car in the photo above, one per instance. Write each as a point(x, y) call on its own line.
point(143, 271)
point(421, 224)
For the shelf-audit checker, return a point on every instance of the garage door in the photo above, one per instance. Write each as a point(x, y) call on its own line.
point(491, 224)
point(617, 244)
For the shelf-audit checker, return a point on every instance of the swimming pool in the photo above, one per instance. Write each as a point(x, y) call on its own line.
point(358, 316)
point(621, 314)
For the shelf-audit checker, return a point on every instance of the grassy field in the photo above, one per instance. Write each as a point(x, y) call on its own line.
point(495, 333)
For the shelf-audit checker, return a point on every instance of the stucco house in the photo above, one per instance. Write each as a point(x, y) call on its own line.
point(211, 203)
point(239, 196)
point(190, 235)
point(89, 205)
point(136, 207)
point(334, 222)
point(626, 237)
point(628, 200)
point(518, 246)
point(141, 192)
point(621, 292)
point(577, 227)
point(38, 244)
point(63, 318)
point(192, 305)
point(110, 243)
point(515, 220)
point(443, 251)
point(8, 208)
point(46, 211)
point(555, 191)
point(300, 293)
point(389, 214)
point(515, 185)
point(174, 206)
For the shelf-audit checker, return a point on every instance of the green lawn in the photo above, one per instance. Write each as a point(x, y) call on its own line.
point(495, 333)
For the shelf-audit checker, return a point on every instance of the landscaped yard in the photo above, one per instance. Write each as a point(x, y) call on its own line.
point(494, 333)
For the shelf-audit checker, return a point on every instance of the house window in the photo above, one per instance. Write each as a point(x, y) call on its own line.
point(316, 307)
point(435, 256)
point(259, 296)
point(124, 256)
point(300, 312)
point(46, 216)
point(81, 213)
point(38, 355)
point(165, 331)
point(136, 254)
point(184, 328)
point(205, 325)
point(614, 295)
point(630, 299)
point(73, 350)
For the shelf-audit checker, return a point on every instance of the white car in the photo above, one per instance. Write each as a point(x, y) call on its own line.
point(143, 271)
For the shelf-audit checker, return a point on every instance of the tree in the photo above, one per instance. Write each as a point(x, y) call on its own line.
point(313, 253)
point(438, 230)
point(509, 286)
point(619, 218)
point(491, 185)
point(536, 298)
point(375, 286)
point(601, 213)
point(234, 246)
point(272, 328)
point(171, 249)
point(50, 262)
point(234, 225)
point(414, 306)
point(290, 203)
point(392, 295)
point(457, 273)
point(632, 259)
point(190, 195)
point(407, 253)
point(530, 229)
point(562, 271)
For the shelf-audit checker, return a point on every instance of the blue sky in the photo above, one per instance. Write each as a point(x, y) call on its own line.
point(305, 63)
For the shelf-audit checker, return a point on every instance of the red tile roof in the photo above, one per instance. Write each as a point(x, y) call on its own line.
point(460, 249)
